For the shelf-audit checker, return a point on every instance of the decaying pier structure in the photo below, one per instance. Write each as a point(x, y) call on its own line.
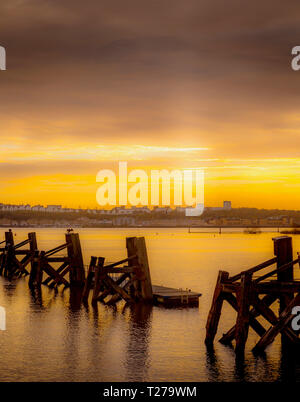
point(252, 296)
point(133, 282)
point(71, 263)
point(10, 264)
point(128, 279)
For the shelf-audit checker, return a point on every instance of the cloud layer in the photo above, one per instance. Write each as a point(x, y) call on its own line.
point(209, 74)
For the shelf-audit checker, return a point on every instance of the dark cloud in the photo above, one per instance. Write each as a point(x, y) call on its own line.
point(152, 71)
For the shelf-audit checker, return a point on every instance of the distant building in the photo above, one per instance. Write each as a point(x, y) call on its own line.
point(227, 205)
point(119, 211)
point(53, 208)
point(38, 208)
point(180, 210)
point(141, 210)
point(163, 210)
point(124, 221)
point(277, 221)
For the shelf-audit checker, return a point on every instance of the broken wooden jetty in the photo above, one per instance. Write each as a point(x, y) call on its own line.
point(131, 282)
point(10, 265)
point(108, 283)
point(252, 297)
point(71, 263)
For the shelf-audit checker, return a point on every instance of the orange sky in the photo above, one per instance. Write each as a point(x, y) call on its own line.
point(158, 86)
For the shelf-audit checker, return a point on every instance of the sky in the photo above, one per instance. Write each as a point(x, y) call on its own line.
point(159, 84)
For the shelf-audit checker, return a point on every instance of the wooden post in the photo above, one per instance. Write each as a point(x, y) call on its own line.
point(243, 317)
point(283, 250)
point(42, 260)
point(9, 238)
point(32, 242)
point(97, 284)
point(88, 282)
point(215, 310)
point(143, 285)
point(33, 249)
point(9, 242)
point(77, 274)
point(34, 269)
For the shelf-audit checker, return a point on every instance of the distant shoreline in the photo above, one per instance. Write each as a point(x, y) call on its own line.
point(151, 226)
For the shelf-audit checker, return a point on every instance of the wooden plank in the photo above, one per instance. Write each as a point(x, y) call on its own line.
point(254, 324)
point(270, 316)
point(114, 264)
point(284, 320)
point(243, 316)
point(111, 283)
point(20, 266)
point(277, 271)
point(216, 308)
point(59, 270)
point(117, 297)
point(21, 244)
point(34, 269)
point(22, 252)
point(277, 287)
point(89, 279)
point(58, 259)
point(98, 279)
point(59, 277)
point(229, 336)
point(120, 270)
point(106, 292)
point(255, 269)
point(52, 273)
point(56, 249)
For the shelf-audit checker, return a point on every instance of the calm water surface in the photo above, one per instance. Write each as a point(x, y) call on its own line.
point(55, 340)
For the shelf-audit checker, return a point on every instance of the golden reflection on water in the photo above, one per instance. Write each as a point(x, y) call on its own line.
point(51, 337)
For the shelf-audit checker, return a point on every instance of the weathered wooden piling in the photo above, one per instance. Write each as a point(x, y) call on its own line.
point(242, 292)
point(244, 295)
point(89, 279)
point(283, 250)
point(137, 254)
point(98, 277)
point(216, 308)
point(77, 273)
point(33, 277)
